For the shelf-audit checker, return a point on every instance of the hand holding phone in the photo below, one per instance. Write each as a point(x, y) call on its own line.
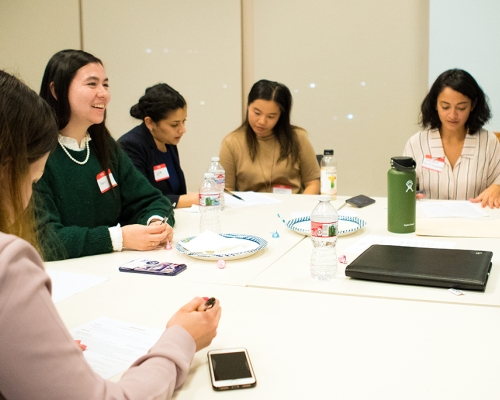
point(231, 369)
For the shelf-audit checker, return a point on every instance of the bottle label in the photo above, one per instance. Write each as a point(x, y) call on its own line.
point(329, 181)
point(323, 229)
point(220, 179)
point(212, 199)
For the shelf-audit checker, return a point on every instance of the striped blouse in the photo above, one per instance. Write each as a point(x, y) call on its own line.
point(475, 170)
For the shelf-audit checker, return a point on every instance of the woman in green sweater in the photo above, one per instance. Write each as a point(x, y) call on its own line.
point(91, 199)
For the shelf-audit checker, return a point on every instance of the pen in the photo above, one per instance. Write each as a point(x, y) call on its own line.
point(167, 246)
point(342, 206)
point(209, 303)
point(232, 194)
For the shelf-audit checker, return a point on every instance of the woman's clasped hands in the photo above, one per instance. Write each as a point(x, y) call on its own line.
point(141, 237)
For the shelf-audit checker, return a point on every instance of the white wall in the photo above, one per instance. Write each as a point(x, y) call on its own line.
point(357, 71)
point(368, 59)
point(193, 45)
point(32, 31)
point(466, 34)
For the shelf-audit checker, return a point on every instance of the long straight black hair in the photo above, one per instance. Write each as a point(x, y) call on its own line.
point(60, 71)
point(283, 130)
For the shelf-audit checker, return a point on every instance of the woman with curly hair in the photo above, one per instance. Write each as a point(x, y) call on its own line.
point(456, 158)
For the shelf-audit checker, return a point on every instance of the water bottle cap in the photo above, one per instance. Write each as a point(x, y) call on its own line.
point(324, 197)
point(328, 153)
point(403, 164)
point(209, 175)
point(215, 158)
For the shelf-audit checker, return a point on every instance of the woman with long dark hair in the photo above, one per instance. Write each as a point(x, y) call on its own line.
point(39, 358)
point(267, 153)
point(152, 145)
point(456, 158)
point(93, 199)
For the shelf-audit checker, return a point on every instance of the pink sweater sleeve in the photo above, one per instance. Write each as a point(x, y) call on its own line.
point(39, 358)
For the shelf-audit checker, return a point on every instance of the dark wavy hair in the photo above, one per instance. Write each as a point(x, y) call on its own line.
point(60, 70)
point(283, 130)
point(463, 82)
point(28, 132)
point(157, 103)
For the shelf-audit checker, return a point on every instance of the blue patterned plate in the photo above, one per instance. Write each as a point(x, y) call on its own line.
point(257, 241)
point(347, 225)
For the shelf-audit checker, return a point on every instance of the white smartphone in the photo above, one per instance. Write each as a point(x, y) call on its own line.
point(231, 369)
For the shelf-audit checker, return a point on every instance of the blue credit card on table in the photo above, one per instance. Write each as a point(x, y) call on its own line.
point(145, 266)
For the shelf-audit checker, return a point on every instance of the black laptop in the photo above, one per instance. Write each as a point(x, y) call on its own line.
point(448, 268)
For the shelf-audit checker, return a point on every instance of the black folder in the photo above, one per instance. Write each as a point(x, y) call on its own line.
point(448, 268)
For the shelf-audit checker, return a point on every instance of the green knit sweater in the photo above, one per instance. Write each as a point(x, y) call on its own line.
point(73, 215)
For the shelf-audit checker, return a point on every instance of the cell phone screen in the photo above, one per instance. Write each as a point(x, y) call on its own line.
point(229, 366)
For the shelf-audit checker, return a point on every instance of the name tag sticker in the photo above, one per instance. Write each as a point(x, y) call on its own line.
point(434, 164)
point(282, 189)
point(103, 183)
point(161, 172)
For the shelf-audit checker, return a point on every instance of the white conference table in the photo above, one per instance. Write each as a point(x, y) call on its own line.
point(311, 339)
point(259, 221)
point(291, 272)
point(318, 346)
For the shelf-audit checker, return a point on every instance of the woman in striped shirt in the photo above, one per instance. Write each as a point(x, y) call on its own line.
point(456, 158)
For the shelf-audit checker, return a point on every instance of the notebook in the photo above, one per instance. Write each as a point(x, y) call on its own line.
point(448, 268)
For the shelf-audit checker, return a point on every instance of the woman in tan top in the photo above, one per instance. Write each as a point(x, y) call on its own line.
point(267, 153)
point(39, 359)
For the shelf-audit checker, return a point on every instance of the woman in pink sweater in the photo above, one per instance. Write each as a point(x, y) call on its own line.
point(39, 358)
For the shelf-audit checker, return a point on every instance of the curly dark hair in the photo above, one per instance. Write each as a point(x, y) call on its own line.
point(463, 82)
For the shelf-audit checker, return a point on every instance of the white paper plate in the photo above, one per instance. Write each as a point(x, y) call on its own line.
point(347, 225)
point(257, 245)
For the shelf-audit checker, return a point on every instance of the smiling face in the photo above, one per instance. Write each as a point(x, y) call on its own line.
point(88, 95)
point(168, 130)
point(263, 116)
point(453, 109)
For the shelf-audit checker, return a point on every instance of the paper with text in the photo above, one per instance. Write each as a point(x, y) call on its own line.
point(249, 199)
point(451, 209)
point(112, 345)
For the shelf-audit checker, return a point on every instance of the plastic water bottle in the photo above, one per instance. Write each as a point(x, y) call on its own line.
point(209, 201)
point(328, 175)
point(219, 177)
point(324, 223)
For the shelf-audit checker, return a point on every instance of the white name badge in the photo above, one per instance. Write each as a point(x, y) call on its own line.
point(103, 183)
point(282, 189)
point(161, 172)
point(434, 164)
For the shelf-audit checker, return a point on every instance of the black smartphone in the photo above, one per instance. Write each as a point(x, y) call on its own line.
point(231, 369)
point(145, 266)
point(360, 201)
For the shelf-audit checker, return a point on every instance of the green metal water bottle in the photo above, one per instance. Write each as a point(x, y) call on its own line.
point(401, 195)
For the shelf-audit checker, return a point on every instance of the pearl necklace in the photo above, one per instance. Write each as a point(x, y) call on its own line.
point(71, 157)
